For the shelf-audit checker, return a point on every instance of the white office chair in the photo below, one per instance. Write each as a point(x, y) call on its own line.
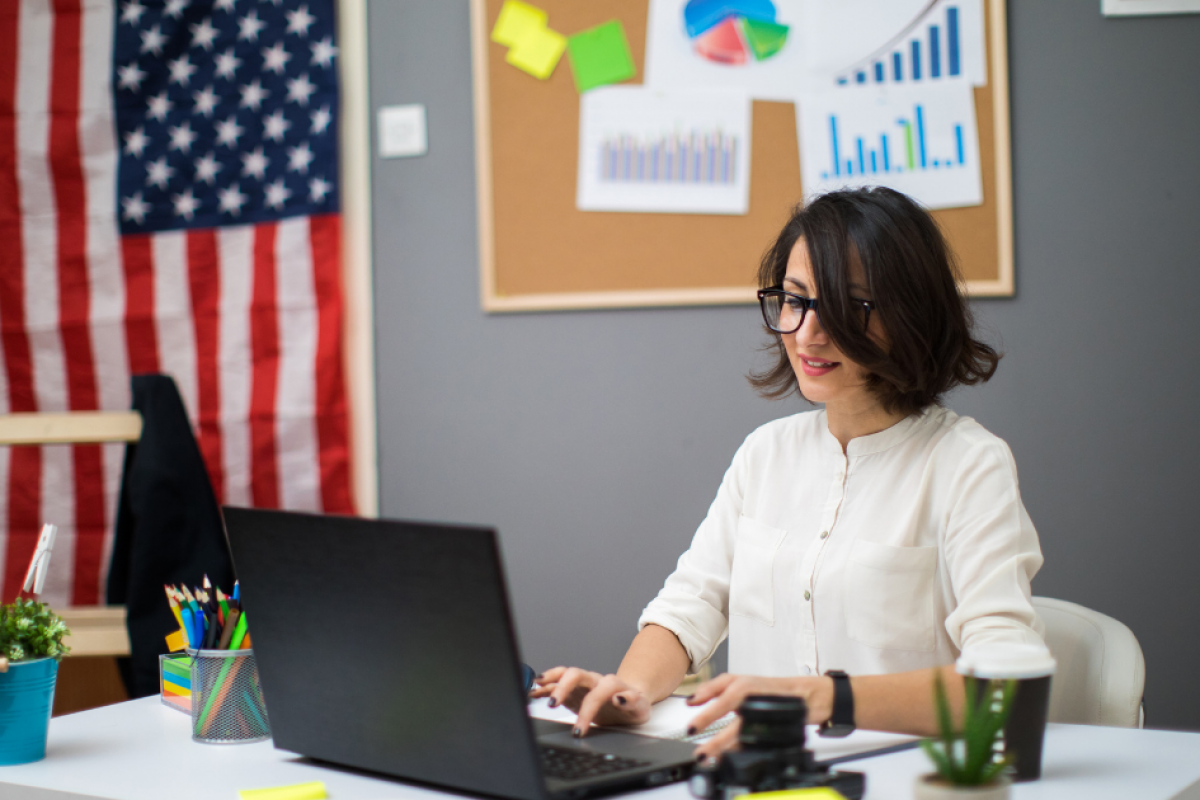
point(1101, 671)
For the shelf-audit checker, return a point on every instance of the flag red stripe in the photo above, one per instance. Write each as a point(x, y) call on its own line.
point(141, 334)
point(204, 281)
point(332, 437)
point(70, 197)
point(25, 470)
point(264, 350)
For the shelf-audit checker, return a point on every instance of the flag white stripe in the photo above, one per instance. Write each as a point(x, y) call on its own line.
point(173, 315)
point(235, 248)
point(97, 144)
point(295, 406)
point(40, 248)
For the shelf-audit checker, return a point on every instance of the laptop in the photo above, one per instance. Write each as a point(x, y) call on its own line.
point(389, 647)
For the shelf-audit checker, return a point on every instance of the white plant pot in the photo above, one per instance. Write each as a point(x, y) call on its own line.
point(932, 787)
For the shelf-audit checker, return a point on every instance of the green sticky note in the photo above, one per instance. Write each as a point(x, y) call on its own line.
point(600, 56)
point(765, 38)
point(538, 52)
point(516, 21)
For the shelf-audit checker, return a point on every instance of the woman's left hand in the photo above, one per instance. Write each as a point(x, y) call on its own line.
point(725, 693)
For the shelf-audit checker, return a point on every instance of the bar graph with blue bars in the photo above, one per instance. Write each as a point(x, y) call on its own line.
point(903, 147)
point(930, 49)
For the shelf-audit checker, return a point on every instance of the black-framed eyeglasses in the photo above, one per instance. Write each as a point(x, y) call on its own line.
point(784, 312)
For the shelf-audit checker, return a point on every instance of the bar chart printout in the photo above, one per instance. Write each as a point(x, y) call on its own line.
point(918, 140)
point(646, 150)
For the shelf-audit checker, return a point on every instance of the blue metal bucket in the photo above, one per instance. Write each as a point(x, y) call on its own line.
point(26, 699)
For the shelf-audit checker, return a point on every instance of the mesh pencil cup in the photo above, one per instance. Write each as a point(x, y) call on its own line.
point(227, 700)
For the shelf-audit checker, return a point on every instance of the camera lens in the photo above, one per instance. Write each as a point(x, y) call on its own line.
point(772, 721)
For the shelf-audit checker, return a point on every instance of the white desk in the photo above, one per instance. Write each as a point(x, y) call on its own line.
point(142, 750)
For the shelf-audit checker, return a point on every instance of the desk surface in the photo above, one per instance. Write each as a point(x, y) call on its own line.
point(142, 750)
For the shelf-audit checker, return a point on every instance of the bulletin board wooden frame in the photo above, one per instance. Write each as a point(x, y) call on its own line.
point(537, 252)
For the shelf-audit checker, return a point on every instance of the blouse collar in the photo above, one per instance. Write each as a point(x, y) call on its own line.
point(886, 438)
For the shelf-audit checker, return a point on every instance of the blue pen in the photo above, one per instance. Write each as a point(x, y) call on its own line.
point(189, 624)
point(237, 591)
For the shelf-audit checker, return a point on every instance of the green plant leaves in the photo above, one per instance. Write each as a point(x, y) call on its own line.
point(29, 630)
point(969, 758)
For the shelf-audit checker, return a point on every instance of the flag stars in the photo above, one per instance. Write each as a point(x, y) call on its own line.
point(277, 194)
point(207, 168)
point(320, 120)
point(300, 89)
point(182, 137)
point(323, 52)
point(134, 209)
point(254, 164)
point(159, 106)
point(275, 58)
point(275, 125)
point(185, 204)
point(203, 35)
point(130, 77)
point(132, 12)
point(153, 40)
point(299, 158)
point(249, 27)
point(227, 64)
point(228, 132)
point(135, 142)
point(159, 172)
point(205, 101)
point(224, 5)
point(230, 200)
point(181, 69)
point(174, 8)
point(299, 21)
point(253, 94)
point(317, 189)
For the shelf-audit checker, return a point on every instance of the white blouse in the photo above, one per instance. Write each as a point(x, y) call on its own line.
point(891, 557)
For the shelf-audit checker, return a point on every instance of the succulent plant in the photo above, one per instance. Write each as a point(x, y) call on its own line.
point(968, 757)
point(29, 630)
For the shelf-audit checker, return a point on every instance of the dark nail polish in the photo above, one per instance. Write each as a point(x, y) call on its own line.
point(576, 732)
point(691, 731)
point(620, 700)
point(700, 758)
point(541, 675)
point(553, 702)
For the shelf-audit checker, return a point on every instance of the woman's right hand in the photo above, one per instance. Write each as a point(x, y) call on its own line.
point(595, 698)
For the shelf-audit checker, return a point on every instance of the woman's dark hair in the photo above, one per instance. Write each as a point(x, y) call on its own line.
point(912, 277)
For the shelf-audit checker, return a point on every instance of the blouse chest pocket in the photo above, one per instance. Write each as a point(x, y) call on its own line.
point(751, 588)
point(889, 596)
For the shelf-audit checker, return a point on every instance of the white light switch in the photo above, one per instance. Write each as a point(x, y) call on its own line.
point(402, 131)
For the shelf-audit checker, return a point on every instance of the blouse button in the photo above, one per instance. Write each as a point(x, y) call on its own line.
point(807, 669)
point(806, 594)
point(824, 534)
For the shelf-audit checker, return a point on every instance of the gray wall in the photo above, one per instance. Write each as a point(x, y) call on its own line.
point(595, 440)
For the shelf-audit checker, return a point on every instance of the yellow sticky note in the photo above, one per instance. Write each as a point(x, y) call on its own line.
point(176, 641)
point(297, 791)
point(538, 52)
point(815, 793)
point(516, 21)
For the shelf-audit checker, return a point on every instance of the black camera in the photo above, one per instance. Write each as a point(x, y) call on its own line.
point(772, 756)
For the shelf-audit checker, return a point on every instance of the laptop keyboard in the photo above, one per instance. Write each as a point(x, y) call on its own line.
point(572, 765)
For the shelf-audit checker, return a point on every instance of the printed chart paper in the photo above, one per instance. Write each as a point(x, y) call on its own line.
point(920, 140)
point(893, 41)
point(671, 152)
point(739, 50)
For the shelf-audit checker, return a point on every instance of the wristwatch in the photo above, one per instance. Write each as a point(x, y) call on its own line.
point(841, 721)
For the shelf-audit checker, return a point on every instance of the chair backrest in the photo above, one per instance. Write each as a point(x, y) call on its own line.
point(1101, 671)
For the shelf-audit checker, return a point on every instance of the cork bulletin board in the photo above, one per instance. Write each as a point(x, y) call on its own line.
point(538, 252)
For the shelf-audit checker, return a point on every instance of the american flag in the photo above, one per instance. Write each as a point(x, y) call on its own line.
point(168, 203)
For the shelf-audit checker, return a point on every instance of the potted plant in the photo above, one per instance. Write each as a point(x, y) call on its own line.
point(967, 763)
point(30, 648)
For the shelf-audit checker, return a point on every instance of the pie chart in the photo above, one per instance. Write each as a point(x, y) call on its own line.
point(734, 32)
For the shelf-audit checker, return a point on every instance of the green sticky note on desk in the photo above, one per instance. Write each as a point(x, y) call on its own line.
point(516, 21)
point(600, 56)
point(537, 52)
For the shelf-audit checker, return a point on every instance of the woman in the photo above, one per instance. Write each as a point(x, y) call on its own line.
point(876, 537)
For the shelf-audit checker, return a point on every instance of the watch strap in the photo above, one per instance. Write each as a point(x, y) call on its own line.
point(841, 720)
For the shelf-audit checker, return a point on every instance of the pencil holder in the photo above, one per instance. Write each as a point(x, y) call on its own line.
point(227, 701)
point(175, 681)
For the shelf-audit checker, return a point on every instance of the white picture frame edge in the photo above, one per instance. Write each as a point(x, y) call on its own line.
point(1139, 8)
